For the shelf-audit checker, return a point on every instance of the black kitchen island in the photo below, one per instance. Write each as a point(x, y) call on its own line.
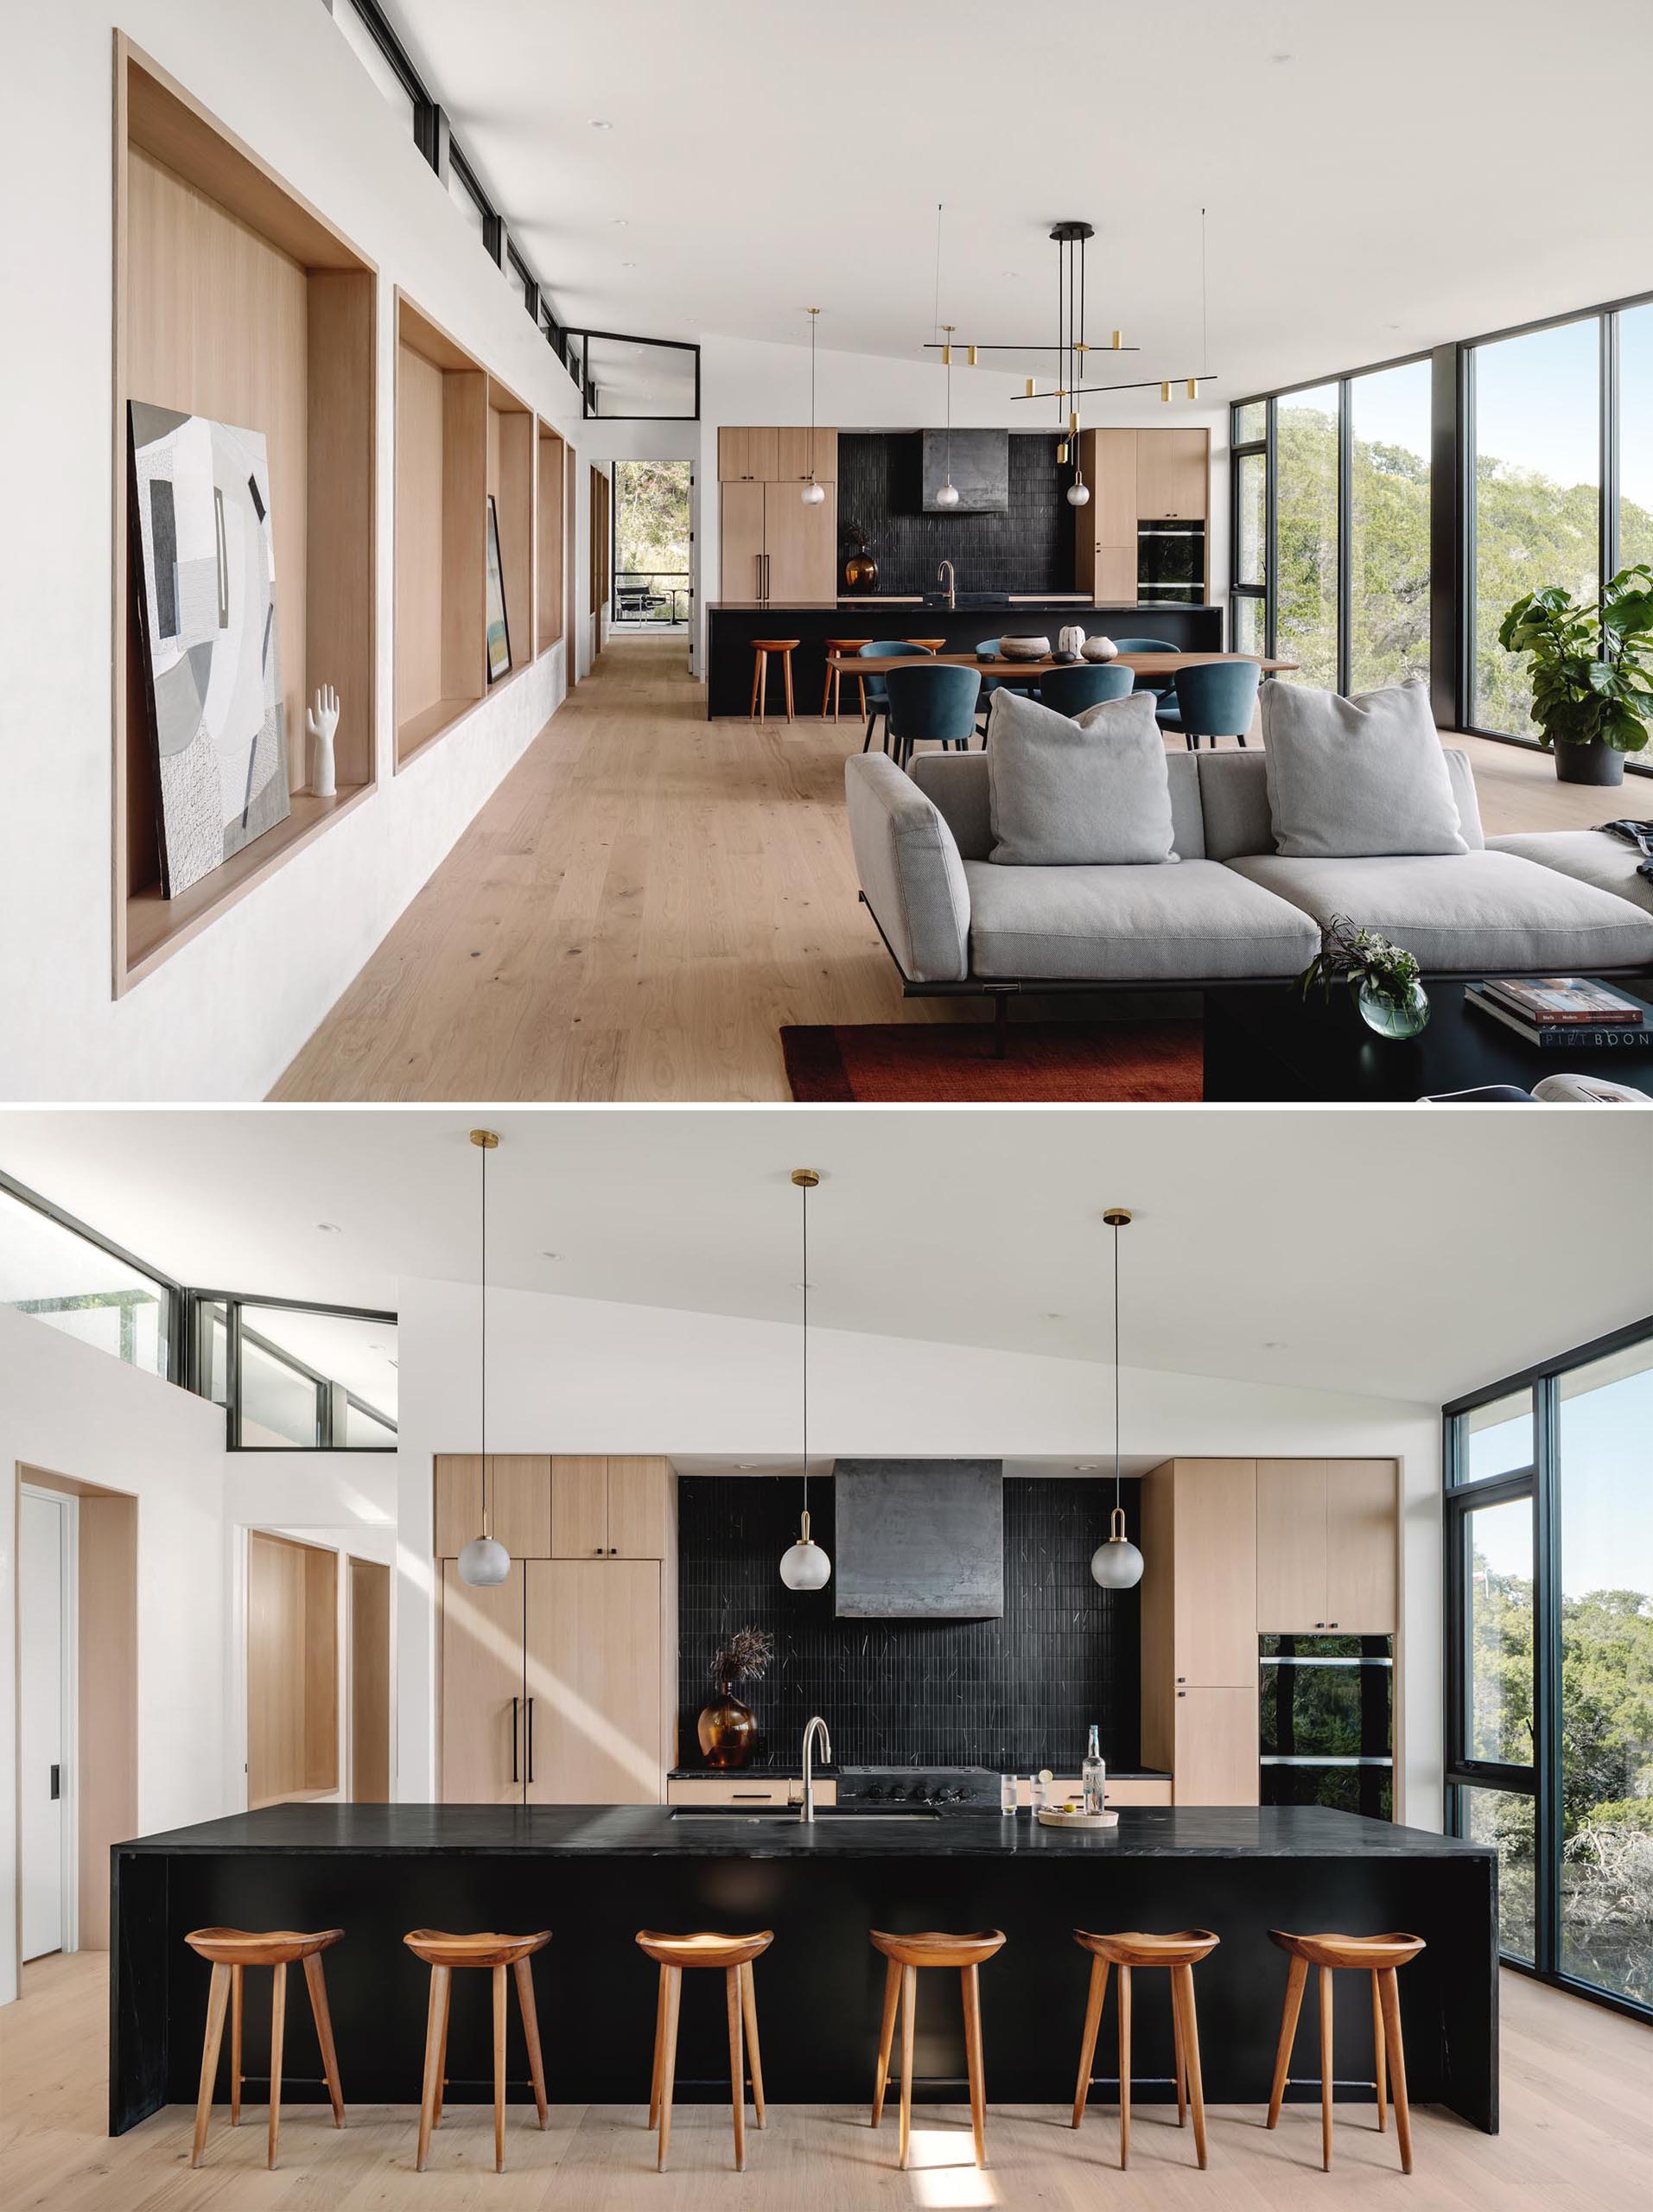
point(731, 625)
point(595, 1875)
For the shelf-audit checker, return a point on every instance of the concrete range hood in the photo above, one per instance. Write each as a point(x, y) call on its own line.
point(919, 1539)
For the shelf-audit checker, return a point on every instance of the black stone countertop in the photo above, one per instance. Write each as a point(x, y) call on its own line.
point(790, 1771)
point(650, 1831)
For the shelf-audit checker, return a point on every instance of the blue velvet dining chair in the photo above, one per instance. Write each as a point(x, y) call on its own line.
point(1214, 699)
point(878, 699)
point(989, 648)
point(1165, 686)
point(1071, 690)
point(933, 704)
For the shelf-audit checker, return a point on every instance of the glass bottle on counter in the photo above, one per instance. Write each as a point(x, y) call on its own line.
point(1094, 1773)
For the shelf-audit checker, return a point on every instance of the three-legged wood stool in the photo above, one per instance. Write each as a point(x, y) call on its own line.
point(1378, 1955)
point(442, 1955)
point(232, 1951)
point(761, 649)
point(1180, 1953)
point(906, 1953)
point(833, 685)
point(734, 1955)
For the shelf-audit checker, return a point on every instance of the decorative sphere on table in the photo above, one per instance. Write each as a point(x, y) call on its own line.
point(1099, 649)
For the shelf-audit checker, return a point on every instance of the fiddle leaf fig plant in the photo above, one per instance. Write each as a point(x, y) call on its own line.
point(1592, 669)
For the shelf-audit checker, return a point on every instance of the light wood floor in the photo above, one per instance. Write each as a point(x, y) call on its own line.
point(649, 896)
point(1578, 2088)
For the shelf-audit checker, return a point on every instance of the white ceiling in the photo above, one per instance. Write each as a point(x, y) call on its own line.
point(1379, 178)
point(1408, 1253)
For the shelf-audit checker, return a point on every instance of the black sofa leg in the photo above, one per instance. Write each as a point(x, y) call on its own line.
point(1000, 1025)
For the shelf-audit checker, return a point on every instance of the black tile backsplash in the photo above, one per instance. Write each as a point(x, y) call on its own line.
point(1019, 1692)
point(1029, 548)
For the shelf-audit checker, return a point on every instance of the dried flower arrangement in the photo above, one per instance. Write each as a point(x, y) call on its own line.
point(744, 1657)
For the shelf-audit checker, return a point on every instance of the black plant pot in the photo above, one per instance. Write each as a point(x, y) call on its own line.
point(1594, 763)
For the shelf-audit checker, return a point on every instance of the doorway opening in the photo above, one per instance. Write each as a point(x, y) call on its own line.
point(77, 1704)
point(652, 542)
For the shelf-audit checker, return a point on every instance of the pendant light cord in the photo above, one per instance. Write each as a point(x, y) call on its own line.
point(485, 1340)
point(806, 1353)
point(1205, 320)
point(813, 313)
point(1117, 1486)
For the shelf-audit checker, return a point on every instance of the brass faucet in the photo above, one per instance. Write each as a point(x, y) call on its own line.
point(806, 1810)
point(944, 575)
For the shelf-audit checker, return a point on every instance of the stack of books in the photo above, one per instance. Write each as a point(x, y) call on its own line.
point(1561, 1012)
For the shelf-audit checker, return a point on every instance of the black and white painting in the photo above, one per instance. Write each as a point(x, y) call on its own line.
point(207, 604)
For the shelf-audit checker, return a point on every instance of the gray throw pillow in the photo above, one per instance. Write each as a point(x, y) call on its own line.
point(1082, 791)
point(1352, 779)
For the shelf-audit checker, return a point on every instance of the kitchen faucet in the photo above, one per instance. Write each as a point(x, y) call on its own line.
point(945, 575)
point(806, 1810)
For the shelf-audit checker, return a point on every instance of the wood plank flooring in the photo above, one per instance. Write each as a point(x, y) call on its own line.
point(1578, 2084)
point(649, 896)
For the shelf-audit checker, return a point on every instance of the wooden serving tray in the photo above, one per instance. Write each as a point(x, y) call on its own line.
point(1052, 1817)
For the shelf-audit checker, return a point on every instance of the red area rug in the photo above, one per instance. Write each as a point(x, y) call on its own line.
point(952, 1063)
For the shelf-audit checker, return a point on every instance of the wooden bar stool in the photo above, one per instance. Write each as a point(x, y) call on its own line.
point(443, 1955)
point(926, 644)
point(761, 649)
point(734, 1955)
point(906, 1953)
point(834, 676)
point(232, 1951)
point(1180, 1953)
point(1378, 1955)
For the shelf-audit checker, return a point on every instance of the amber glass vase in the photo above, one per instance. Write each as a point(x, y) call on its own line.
point(728, 1730)
point(861, 571)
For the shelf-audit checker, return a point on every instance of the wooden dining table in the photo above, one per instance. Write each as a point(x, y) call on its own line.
point(1009, 671)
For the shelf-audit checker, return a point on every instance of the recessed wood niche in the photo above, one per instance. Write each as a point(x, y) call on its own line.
point(235, 298)
point(548, 564)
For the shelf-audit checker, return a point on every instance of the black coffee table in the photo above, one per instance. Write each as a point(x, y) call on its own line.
point(1267, 1043)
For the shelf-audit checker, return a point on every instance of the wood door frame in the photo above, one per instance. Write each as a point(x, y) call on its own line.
point(334, 1552)
point(352, 1562)
point(69, 1705)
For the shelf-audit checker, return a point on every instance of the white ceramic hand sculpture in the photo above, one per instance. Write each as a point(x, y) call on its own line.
point(321, 722)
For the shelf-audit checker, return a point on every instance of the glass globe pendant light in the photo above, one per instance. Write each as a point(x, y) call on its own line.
point(1117, 1564)
point(805, 1566)
point(483, 1562)
point(814, 494)
point(947, 496)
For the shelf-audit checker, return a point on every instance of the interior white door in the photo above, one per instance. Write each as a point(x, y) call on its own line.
point(42, 1539)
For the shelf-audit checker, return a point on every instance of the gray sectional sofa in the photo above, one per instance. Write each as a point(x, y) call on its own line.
point(1230, 908)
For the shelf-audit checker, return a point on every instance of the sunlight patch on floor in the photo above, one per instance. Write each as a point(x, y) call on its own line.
point(941, 2166)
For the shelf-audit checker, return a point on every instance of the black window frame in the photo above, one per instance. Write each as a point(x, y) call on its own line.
point(176, 1294)
point(1541, 1482)
point(1451, 555)
point(237, 1333)
point(577, 369)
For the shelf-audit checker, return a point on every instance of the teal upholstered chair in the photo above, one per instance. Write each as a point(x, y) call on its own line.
point(938, 704)
point(1214, 699)
point(1165, 686)
point(878, 699)
point(1071, 690)
point(990, 647)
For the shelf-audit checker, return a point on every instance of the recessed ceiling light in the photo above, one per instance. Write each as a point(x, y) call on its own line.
point(1274, 1343)
point(804, 1285)
point(329, 1228)
point(628, 264)
point(1087, 1467)
point(1052, 1317)
point(620, 222)
point(550, 1255)
point(598, 124)
point(1278, 58)
point(744, 1467)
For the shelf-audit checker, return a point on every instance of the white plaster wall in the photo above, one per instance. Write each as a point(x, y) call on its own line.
point(70, 1410)
point(573, 1374)
point(223, 1016)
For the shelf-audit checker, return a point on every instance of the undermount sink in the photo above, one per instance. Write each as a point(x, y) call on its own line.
point(827, 1813)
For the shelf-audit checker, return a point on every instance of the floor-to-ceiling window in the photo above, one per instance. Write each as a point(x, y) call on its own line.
point(1389, 526)
point(1306, 532)
point(1535, 415)
point(1634, 386)
point(1549, 1719)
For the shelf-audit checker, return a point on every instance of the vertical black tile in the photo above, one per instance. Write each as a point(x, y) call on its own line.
point(1029, 548)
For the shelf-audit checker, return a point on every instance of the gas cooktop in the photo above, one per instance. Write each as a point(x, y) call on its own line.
point(936, 1786)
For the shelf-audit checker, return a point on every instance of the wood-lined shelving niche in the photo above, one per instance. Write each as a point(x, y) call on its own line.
point(441, 462)
point(548, 562)
point(510, 484)
point(235, 298)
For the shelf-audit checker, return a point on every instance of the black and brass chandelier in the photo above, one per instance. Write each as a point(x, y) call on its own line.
point(1072, 349)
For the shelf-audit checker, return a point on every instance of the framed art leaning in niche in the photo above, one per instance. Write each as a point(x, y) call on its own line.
point(498, 627)
point(205, 573)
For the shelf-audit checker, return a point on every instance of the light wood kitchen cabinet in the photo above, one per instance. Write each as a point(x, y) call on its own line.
point(519, 1486)
point(793, 454)
point(748, 452)
point(776, 547)
point(593, 1727)
point(1172, 475)
point(610, 1508)
point(1105, 547)
point(746, 1789)
point(482, 1688)
point(1327, 1540)
point(1215, 1745)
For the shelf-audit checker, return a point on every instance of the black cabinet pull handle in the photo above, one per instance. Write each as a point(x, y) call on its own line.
point(531, 1742)
point(515, 1777)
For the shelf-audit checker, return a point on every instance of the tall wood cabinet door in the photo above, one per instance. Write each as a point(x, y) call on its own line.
point(1113, 491)
point(521, 1488)
point(1216, 1746)
point(1172, 475)
point(482, 1687)
point(639, 1500)
point(1291, 1546)
point(802, 544)
point(732, 454)
point(458, 1502)
point(763, 451)
point(1362, 1522)
point(1215, 1638)
point(579, 1507)
point(593, 1682)
point(742, 540)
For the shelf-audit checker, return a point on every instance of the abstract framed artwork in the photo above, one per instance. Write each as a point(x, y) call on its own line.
point(498, 628)
point(212, 662)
